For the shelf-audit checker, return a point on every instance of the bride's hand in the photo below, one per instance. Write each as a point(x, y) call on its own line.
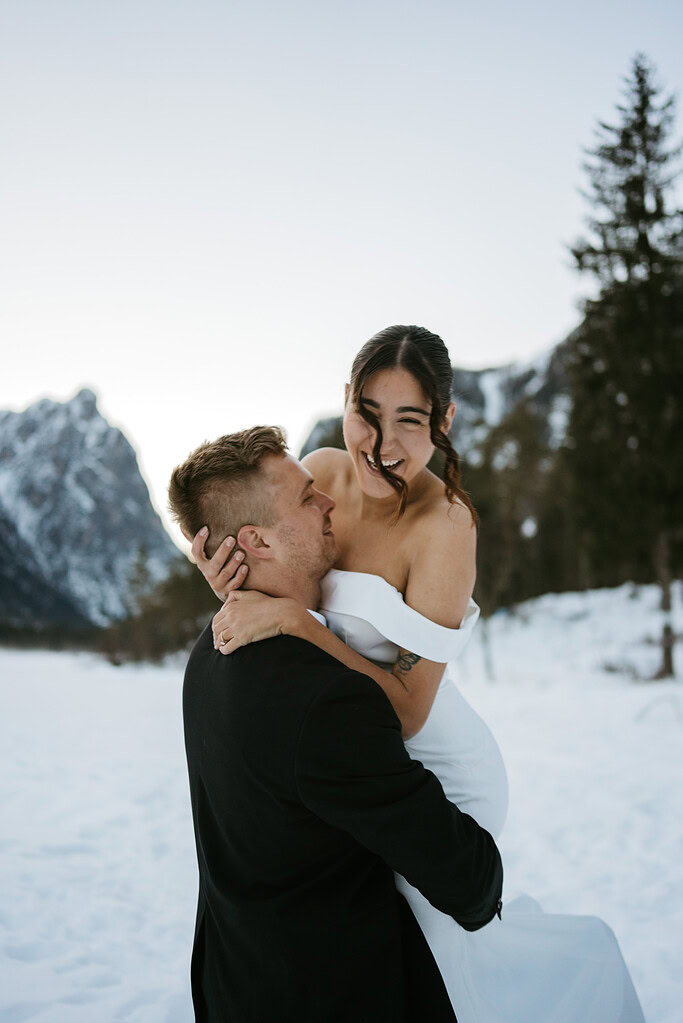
point(223, 573)
point(248, 616)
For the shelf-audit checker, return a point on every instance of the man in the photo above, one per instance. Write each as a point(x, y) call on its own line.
point(304, 799)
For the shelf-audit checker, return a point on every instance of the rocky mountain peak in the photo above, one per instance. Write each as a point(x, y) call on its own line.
point(72, 490)
point(84, 404)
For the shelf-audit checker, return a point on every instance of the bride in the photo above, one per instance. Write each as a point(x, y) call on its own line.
point(398, 607)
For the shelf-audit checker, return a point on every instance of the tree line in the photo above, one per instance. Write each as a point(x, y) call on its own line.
point(606, 507)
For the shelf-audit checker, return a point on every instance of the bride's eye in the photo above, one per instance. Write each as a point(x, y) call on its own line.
point(414, 422)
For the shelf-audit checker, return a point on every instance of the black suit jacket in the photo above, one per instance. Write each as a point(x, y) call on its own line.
point(304, 800)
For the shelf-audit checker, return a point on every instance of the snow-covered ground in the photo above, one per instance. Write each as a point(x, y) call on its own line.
point(97, 864)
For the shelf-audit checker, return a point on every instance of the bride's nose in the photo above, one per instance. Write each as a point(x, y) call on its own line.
point(388, 441)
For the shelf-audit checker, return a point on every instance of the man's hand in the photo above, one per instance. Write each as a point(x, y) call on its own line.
point(223, 573)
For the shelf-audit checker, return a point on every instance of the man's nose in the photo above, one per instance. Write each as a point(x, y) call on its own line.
point(325, 503)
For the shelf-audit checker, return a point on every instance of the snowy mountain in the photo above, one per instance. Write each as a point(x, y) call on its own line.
point(25, 595)
point(74, 515)
point(484, 397)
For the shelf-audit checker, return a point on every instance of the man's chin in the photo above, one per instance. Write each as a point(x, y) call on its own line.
point(330, 550)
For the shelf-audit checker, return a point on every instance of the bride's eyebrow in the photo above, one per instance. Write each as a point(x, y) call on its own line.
point(401, 408)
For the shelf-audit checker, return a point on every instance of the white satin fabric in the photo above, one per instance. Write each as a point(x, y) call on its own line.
point(529, 967)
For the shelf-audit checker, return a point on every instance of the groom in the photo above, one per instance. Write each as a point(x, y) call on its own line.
point(304, 799)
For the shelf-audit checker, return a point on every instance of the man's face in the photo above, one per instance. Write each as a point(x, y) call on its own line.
point(302, 537)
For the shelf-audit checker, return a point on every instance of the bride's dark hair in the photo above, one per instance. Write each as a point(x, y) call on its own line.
point(425, 356)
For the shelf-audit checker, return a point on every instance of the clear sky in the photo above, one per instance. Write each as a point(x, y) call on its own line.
point(208, 206)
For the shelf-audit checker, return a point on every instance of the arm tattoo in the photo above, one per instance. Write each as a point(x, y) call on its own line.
point(405, 662)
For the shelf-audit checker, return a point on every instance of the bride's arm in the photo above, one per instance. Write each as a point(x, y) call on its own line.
point(440, 584)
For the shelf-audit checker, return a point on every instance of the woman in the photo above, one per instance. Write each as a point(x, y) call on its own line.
point(398, 605)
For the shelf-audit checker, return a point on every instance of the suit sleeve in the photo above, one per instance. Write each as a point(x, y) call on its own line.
point(354, 773)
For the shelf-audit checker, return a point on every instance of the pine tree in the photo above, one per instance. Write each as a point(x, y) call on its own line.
point(139, 580)
point(508, 481)
point(626, 427)
point(164, 618)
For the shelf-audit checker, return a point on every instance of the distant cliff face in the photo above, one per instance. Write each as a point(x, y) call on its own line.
point(74, 514)
point(484, 398)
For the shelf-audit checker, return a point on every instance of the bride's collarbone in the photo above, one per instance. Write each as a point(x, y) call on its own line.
point(379, 547)
point(373, 554)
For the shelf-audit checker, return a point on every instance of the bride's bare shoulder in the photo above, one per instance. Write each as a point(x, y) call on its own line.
point(328, 465)
point(444, 526)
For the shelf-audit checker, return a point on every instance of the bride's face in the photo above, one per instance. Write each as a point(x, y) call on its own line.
point(396, 398)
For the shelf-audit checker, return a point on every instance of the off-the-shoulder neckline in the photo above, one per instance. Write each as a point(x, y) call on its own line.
point(395, 619)
point(369, 575)
point(373, 575)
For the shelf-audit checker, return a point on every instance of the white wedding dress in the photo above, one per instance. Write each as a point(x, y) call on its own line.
point(529, 967)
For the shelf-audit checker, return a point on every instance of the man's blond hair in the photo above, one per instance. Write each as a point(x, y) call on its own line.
point(221, 485)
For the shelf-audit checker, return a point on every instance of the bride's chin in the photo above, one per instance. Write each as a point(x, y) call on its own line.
point(374, 486)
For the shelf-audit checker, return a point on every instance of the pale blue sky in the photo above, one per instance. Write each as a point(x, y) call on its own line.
point(207, 207)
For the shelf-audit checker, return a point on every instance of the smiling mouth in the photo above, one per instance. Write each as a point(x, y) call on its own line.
point(390, 463)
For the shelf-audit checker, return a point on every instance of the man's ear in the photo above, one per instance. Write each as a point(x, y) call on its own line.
point(250, 540)
point(346, 393)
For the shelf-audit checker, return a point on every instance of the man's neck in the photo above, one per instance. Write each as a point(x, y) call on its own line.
point(305, 591)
